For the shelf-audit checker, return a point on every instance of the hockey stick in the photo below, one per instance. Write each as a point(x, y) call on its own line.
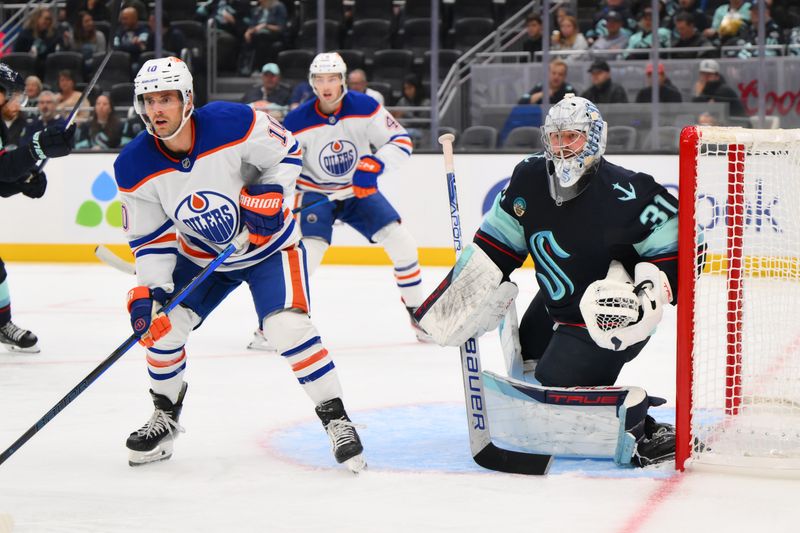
point(115, 6)
point(484, 452)
point(113, 260)
point(235, 244)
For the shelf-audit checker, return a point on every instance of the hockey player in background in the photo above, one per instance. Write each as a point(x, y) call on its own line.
point(19, 174)
point(335, 131)
point(188, 188)
point(589, 226)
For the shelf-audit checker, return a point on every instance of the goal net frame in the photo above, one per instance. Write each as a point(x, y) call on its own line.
point(735, 259)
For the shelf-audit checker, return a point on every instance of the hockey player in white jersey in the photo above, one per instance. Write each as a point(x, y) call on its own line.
point(335, 131)
point(188, 188)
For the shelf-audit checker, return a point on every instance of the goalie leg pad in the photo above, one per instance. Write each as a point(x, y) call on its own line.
point(468, 302)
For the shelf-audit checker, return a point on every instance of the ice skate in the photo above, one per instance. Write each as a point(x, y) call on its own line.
point(153, 441)
point(345, 443)
point(16, 339)
point(422, 335)
point(657, 445)
point(260, 342)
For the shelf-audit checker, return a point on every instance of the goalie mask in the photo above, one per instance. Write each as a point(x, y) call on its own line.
point(574, 138)
point(328, 63)
point(163, 74)
point(13, 85)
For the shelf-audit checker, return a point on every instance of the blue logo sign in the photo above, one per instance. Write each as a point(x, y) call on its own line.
point(210, 214)
point(549, 274)
point(338, 158)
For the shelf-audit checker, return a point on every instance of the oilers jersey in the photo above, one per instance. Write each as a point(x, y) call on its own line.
point(191, 206)
point(332, 144)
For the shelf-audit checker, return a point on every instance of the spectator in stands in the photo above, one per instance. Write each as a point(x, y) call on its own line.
point(172, 39)
point(794, 42)
point(707, 119)
point(667, 93)
point(139, 6)
point(711, 87)
point(357, 81)
point(603, 90)
point(96, 8)
point(568, 38)
point(533, 36)
point(701, 20)
point(747, 37)
point(689, 37)
point(300, 93)
point(68, 97)
point(131, 36)
point(264, 36)
point(600, 25)
point(731, 14)
point(87, 39)
point(47, 116)
point(270, 90)
point(229, 15)
point(103, 130)
point(33, 88)
point(38, 37)
point(412, 95)
point(557, 85)
point(615, 37)
point(643, 39)
point(12, 125)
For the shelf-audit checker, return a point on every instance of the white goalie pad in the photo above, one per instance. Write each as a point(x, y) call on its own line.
point(584, 422)
point(619, 313)
point(472, 301)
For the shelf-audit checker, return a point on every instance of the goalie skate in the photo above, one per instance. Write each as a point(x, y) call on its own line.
point(345, 443)
point(153, 441)
point(260, 342)
point(16, 339)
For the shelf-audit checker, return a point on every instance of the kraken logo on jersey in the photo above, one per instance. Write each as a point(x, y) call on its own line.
point(338, 157)
point(549, 274)
point(210, 214)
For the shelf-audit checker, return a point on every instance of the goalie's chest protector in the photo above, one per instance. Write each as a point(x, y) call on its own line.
point(573, 243)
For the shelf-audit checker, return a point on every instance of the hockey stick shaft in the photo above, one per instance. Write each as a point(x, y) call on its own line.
point(99, 70)
point(484, 452)
point(113, 260)
point(123, 348)
point(338, 195)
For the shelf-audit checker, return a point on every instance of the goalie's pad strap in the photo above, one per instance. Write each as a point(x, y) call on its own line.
point(450, 310)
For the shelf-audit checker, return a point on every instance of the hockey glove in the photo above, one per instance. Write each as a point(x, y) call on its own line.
point(33, 185)
point(146, 321)
point(365, 178)
point(52, 142)
point(262, 211)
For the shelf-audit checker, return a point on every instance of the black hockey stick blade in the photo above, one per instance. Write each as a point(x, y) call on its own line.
point(511, 462)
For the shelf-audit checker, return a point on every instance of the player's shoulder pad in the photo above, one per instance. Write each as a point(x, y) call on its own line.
point(222, 123)
point(611, 173)
point(530, 167)
point(355, 104)
point(303, 117)
point(138, 160)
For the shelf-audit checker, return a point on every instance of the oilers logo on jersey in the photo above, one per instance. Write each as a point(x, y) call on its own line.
point(210, 214)
point(338, 157)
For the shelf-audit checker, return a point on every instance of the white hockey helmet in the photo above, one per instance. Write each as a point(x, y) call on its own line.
point(163, 74)
point(328, 63)
point(568, 173)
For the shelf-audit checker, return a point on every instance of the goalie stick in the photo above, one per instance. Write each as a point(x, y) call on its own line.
point(484, 452)
point(235, 244)
point(105, 255)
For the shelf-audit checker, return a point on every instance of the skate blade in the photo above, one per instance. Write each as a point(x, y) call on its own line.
point(356, 464)
point(261, 347)
point(159, 453)
point(16, 349)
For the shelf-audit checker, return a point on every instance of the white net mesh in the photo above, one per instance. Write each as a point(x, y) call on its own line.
point(746, 359)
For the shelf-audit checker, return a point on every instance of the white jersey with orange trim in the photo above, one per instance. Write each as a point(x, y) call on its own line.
point(333, 144)
point(191, 206)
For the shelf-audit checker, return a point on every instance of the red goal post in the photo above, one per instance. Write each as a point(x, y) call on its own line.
point(738, 365)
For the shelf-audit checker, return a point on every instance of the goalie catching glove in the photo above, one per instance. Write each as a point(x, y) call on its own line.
point(471, 300)
point(620, 312)
point(146, 320)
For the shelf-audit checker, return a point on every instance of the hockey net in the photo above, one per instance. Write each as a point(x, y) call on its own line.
point(738, 397)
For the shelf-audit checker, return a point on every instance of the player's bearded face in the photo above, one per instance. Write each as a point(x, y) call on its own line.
point(567, 143)
point(328, 86)
point(164, 109)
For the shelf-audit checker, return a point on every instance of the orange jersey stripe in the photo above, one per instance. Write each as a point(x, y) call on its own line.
point(415, 273)
point(164, 238)
point(164, 364)
point(308, 361)
point(194, 253)
point(296, 276)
